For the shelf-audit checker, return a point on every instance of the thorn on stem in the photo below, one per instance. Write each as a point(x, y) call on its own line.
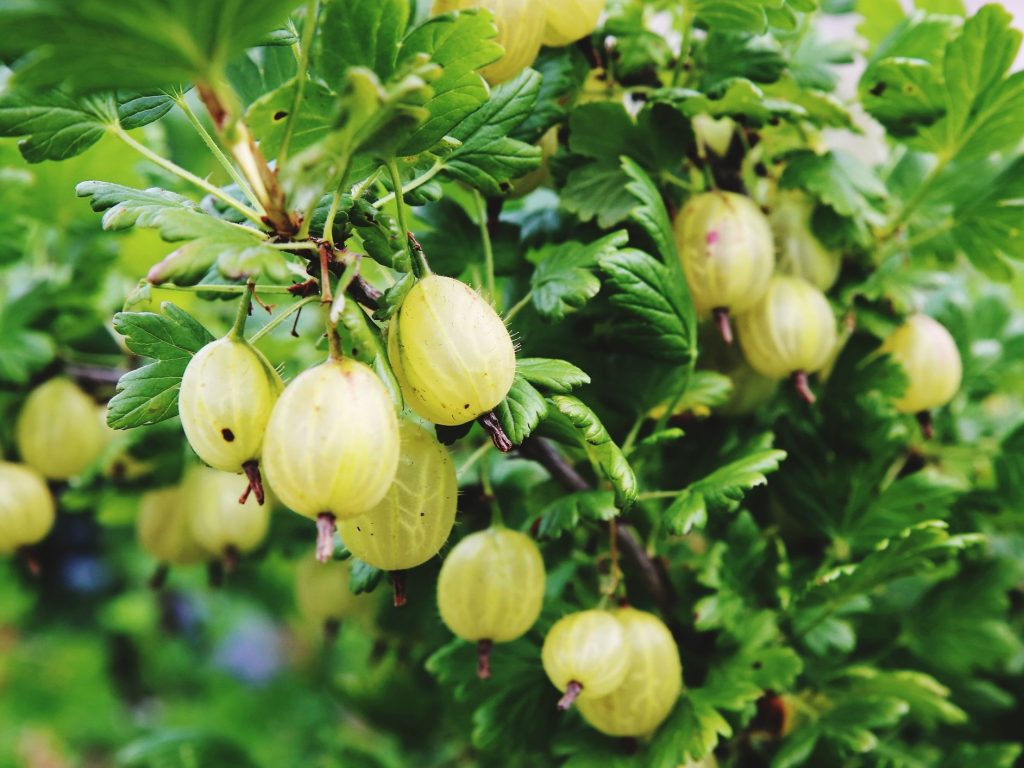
point(803, 387)
point(252, 472)
point(492, 426)
point(398, 584)
point(325, 526)
point(721, 315)
point(572, 691)
point(924, 418)
point(483, 659)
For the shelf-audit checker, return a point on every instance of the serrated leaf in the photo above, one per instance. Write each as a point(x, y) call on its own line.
point(564, 280)
point(557, 376)
point(462, 45)
point(521, 410)
point(146, 44)
point(149, 394)
point(268, 116)
point(598, 190)
point(238, 252)
point(691, 732)
point(655, 317)
point(564, 514)
point(135, 110)
point(359, 33)
point(488, 158)
point(55, 125)
point(838, 179)
point(724, 488)
point(600, 448)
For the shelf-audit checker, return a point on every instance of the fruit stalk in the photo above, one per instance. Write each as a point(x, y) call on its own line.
point(483, 659)
point(803, 387)
point(572, 691)
point(325, 526)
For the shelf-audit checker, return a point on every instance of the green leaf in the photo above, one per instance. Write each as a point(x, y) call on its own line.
point(692, 731)
point(564, 280)
point(55, 126)
point(598, 190)
point(724, 488)
point(488, 159)
point(733, 15)
point(562, 71)
point(267, 116)
point(238, 252)
point(135, 110)
point(797, 748)
point(24, 351)
point(521, 410)
point(146, 44)
point(363, 577)
point(557, 376)
point(600, 448)
point(913, 551)
point(461, 44)
point(359, 33)
point(656, 311)
point(839, 179)
point(926, 698)
point(565, 513)
point(149, 394)
point(651, 287)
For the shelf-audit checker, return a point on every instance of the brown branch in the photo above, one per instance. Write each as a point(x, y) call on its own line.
point(656, 582)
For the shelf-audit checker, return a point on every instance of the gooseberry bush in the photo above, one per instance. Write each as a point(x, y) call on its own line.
point(511, 383)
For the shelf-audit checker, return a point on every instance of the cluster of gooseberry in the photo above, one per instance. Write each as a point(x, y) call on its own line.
point(785, 323)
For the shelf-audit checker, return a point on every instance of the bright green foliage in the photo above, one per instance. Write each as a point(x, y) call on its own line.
point(842, 591)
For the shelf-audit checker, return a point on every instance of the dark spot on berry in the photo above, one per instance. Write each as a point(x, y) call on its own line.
point(757, 665)
point(227, 434)
point(878, 89)
point(280, 115)
point(359, 529)
point(466, 407)
point(422, 514)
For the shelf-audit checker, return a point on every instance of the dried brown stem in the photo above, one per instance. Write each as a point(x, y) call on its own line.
point(252, 473)
point(492, 426)
point(325, 526)
point(483, 659)
point(398, 584)
point(721, 315)
point(803, 387)
point(572, 691)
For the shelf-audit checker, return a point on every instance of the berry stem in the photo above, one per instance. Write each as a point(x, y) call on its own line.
point(331, 628)
point(327, 299)
point(420, 268)
point(252, 472)
point(803, 387)
point(159, 577)
point(721, 315)
point(325, 526)
point(244, 308)
point(230, 558)
point(572, 691)
point(483, 659)
point(215, 574)
point(31, 561)
point(398, 583)
point(492, 426)
point(924, 418)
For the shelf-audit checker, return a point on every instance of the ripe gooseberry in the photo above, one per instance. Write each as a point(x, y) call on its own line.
point(490, 589)
point(520, 29)
point(411, 523)
point(652, 683)
point(584, 655)
point(322, 593)
point(800, 252)
point(791, 331)
point(331, 446)
point(221, 523)
point(227, 393)
point(164, 532)
point(725, 245)
point(450, 352)
point(26, 507)
point(57, 431)
point(931, 361)
point(570, 20)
